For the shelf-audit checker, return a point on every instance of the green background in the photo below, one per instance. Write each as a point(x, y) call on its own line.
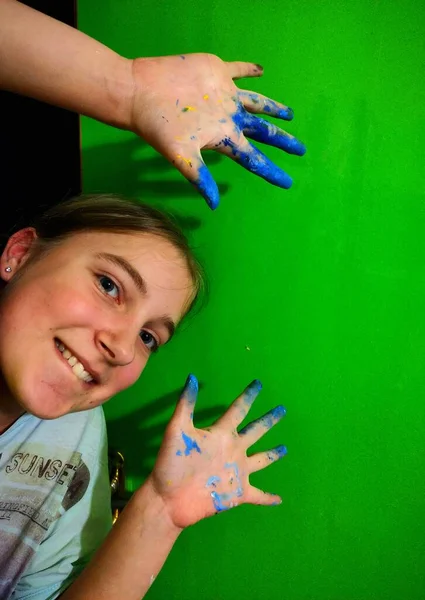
point(318, 291)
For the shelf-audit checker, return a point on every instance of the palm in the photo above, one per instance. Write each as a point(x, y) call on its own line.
point(183, 104)
point(203, 471)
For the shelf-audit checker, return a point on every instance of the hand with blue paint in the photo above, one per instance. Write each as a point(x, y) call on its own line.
point(200, 472)
point(185, 104)
point(180, 105)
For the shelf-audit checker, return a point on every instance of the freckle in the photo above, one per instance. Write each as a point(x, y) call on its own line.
point(205, 96)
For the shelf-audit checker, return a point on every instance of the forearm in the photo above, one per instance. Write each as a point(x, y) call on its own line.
point(50, 61)
point(132, 554)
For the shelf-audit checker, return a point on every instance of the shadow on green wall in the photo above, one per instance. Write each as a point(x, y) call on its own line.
point(131, 169)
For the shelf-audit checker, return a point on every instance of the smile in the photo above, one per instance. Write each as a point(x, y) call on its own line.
point(76, 367)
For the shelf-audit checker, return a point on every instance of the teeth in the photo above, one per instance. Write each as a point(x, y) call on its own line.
point(76, 367)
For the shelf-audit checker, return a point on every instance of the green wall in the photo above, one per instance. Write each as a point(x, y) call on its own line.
point(318, 291)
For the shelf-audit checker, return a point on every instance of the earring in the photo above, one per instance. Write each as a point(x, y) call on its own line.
point(8, 269)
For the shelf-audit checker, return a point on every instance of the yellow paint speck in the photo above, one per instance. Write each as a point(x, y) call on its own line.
point(186, 160)
point(205, 96)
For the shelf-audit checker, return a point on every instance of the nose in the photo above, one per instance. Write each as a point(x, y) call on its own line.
point(117, 348)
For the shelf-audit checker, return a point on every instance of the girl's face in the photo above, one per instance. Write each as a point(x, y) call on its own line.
point(79, 324)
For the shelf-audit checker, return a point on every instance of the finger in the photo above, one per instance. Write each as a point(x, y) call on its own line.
point(257, 103)
point(256, 496)
point(195, 170)
point(261, 130)
point(188, 397)
point(252, 159)
point(238, 410)
point(255, 430)
point(238, 69)
point(261, 460)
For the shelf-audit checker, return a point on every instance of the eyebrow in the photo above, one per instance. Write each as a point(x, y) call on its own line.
point(119, 261)
point(140, 283)
point(168, 324)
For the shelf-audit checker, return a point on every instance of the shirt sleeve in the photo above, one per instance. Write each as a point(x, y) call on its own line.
point(79, 531)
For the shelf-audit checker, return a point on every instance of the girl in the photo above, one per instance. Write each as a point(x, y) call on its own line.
point(89, 292)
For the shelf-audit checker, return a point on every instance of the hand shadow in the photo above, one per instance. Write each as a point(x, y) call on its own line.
point(139, 443)
point(122, 168)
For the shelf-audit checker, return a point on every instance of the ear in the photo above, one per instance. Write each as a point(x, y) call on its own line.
point(17, 251)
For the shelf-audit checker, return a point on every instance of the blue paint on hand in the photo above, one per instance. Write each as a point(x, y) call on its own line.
point(191, 388)
point(267, 421)
point(179, 453)
point(281, 451)
point(278, 412)
point(261, 130)
point(252, 391)
point(287, 114)
point(212, 481)
point(258, 163)
point(277, 453)
point(218, 502)
point(207, 187)
point(190, 445)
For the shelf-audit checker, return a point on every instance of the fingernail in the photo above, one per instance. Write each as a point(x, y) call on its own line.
point(259, 67)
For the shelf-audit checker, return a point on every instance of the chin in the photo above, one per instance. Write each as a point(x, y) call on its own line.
point(42, 400)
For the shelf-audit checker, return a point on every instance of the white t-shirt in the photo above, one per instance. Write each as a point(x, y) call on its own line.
point(55, 507)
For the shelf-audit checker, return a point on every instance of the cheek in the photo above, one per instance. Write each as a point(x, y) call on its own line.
point(127, 376)
point(72, 306)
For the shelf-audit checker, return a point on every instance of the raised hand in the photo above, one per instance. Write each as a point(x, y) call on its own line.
point(200, 472)
point(184, 104)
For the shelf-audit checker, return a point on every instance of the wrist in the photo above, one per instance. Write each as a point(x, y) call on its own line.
point(153, 511)
point(119, 84)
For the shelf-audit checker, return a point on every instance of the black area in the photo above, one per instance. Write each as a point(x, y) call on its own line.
point(40, 146)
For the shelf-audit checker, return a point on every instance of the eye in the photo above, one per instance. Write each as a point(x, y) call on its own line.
point(108, 286)
point(149, 340)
